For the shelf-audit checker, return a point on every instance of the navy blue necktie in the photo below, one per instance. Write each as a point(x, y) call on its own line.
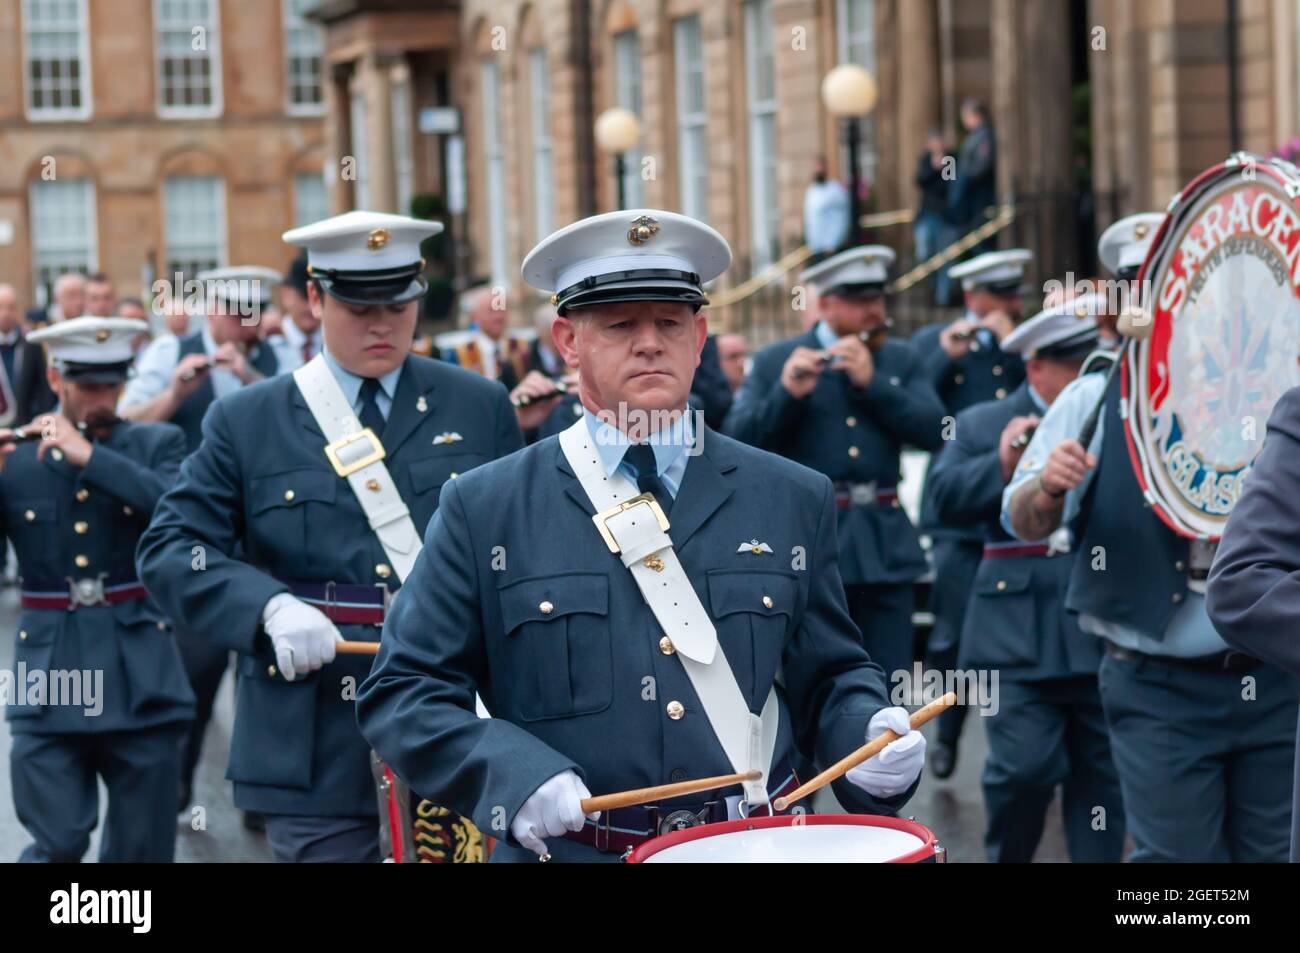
point(641, 458)
point(370, 415)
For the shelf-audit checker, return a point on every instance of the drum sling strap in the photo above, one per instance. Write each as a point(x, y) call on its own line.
point(357, 456)
point(636, 530)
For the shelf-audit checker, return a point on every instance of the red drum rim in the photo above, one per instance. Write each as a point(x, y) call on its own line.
point(927, 837)
point(1280, 172)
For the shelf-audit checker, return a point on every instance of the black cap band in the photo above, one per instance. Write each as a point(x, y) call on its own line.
point(95, 373)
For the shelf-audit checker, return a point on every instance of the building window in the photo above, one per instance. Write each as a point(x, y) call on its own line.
point(303, 45)
point(189, 57)
point(543, 150)
point(403, 157)
point(760, 96)
point(692, 118)
point(494, 154)
point(360, 171)
point(627, 93)
point(195, 223)
point(62, 231)
point(856, 43)
point(310, 199)
point(57, 56)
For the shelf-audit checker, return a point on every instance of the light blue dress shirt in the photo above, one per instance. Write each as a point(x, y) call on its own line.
point(351, 385)
point(671, 448)
point(1190, 632)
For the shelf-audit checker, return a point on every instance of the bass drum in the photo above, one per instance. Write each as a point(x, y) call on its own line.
point(414, 830)
point(1220, 287)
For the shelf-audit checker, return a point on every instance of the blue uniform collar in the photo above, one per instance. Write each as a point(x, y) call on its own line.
point(1038, 401)
point(351, 383)
point(669, 445)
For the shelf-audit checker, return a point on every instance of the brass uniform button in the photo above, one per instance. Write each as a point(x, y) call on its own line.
point(454, 474)
point(853, 452)
point(851, 421)
point(666, 646)
point(1002, 584)
point(22, 636)
point(545, 608)
point(83, 495)
point(289, 495)
point(82, 561)
point(997, 370)
point(767, 602)
point(1179, 566)
point(270, 670)
point(162, 626)
point(30, 516)
point(81, 527)
point(127, 511)
point(676, 710)
point(1000, 393)
point(959, 379)
point(383, 570)
point(372, 485)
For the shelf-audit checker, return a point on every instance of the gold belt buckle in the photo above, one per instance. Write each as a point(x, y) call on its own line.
point(647, 499)
point(345, 470)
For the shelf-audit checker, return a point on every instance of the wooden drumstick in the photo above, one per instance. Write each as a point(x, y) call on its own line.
point(342, 647)
point(869, 750)
point(607, 802)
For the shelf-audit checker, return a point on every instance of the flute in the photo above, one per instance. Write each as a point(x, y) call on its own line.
point(27, 436)
point(523, 400)
point(1022, 441)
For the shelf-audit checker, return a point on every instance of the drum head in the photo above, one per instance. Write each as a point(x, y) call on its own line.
point(1220, 285)
point(794, 839)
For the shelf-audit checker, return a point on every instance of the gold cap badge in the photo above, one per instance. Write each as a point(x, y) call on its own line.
point(1140, 232)
point(643, 229)
point(377, 239)
point(102, 335)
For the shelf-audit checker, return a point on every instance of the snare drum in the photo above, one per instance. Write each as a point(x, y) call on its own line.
point(797, 839)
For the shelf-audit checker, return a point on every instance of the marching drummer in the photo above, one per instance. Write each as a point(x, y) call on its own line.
point(843, 398)
point(1204, 764)
point(1049, 728)
point(623, 595)
point(74, 502)
point(295, 522)
point(966, 364)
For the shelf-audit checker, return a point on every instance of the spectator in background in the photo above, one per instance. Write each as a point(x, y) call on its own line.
point(132, 308)
point(931, 232)
point(99, 295)
point(975, 187)
point(24, 392)
point(69, 302)
point(826, 212)
point(733, 351)
point(488, 349)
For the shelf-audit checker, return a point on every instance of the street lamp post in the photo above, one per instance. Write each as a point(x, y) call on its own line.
point(617, 132)
point(849, 93)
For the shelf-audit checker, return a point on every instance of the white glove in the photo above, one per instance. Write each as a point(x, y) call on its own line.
point(892, 771)
point(550, 811)
point(302, 636)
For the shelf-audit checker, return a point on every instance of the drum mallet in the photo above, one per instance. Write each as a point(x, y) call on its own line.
point(608, 802)
point(343, 647)
point(1133, 325)
point(869, 750)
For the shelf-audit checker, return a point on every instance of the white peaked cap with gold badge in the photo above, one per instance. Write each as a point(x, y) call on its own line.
point(366, 257)
point(1063, 332)
point(92, 350)
point(1000, 272)
point(858, 272)
point(1124, 246)
point(634, 255)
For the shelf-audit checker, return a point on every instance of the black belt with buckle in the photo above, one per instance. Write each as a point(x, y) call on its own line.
point(1229, 661)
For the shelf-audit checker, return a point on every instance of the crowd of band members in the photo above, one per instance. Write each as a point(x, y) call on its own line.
point(1052, 730)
